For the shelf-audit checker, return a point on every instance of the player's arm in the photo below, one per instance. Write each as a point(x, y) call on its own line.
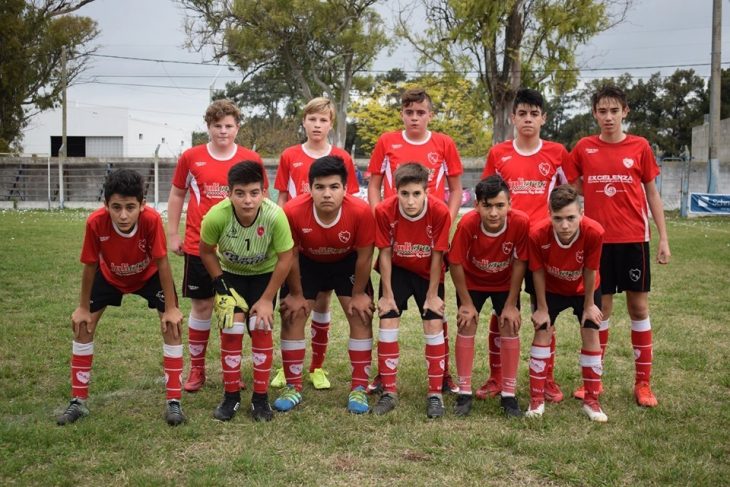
point(294, 302)
point(657, 212)
point(174, 209)
point(385, 263)
point(172, 317)
point(455, 192)
point(374, 187)
point(467, 313)
point(282, 198)
point(210, 260)
point(540, 317)
point(510, 316)
point(361, 302)
point(433, 301)
point(590, 310)
point(263, 309)
point(82, 314)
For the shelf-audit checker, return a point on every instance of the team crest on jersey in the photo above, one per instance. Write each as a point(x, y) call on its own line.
point(142, 244)
point(344, 236)
point(433, 157)
point(628, 162)
point(429, 231)
point(260, 231)
point(544, 168)
point(634, 274)
point(507, 247)
point(579, 256)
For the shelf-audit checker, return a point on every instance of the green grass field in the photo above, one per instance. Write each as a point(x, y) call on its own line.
point(685, 441)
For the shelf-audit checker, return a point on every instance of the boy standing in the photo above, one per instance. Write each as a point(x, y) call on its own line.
point(292, 179)
point(565, 251)
point(488, 258)
point(617, 172)
point(124, 252)
point(246, 247)
point(334, 234)
point(203, 170)
point(435, 151)
point(531, 167)
point(412, 232)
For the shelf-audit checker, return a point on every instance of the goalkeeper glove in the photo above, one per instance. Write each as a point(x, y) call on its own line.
point(226, 301)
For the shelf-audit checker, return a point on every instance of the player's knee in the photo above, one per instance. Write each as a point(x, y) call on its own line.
point(202, 309)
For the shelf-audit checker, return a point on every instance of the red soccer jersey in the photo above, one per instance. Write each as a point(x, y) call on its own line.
point(207, 179)
point(413, 239)
point(563, 264)
point(437, 153)
point(354, 228)
point(293, 173)
point(613, 184)
point(530, 176)
point(127, 261)
point(487, 258)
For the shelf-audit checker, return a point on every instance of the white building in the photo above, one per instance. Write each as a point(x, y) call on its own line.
point(94, 131)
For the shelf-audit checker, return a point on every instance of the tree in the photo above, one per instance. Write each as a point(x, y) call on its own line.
point(509, 43)
point(33, 36)
point(318, 45)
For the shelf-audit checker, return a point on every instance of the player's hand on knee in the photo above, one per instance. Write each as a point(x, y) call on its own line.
point(541, 320)
point(386, 305)
point(510, 320)
point(591, 313)
point(467, 315)
point(261, 316)
point(361, 305)
point(82, 318)
point(171, 321)
point(293, 305)
point(435, 304)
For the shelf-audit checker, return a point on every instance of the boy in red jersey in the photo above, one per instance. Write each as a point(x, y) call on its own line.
point(616, 171)
point(124, 252)
point(435, 151)
point(334, 233)
point(412, 233)
point(292, 179)
point(203, 170)
point(565, 251)
point(531, 167)
point(487, 259)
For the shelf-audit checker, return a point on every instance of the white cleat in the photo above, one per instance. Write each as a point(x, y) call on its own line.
point(594, 412)
point(536, 410)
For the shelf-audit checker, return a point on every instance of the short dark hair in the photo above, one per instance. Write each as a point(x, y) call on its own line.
point(609, 91)
point(415, 95)
point(562, 196)
point(245, 172)
point(411, 172)
point(529, 97)
point(490, 187)
point(328, 166)
point(124, 182)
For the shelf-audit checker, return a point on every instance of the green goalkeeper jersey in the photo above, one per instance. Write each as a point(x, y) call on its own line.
point(247, 250)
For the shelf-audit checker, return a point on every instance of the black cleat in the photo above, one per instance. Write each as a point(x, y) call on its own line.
point(463, 404)
point(227, 409)
point(510, 407)
point(174, 414)
point(76, 410)
point(260, 408)
point(435, 406)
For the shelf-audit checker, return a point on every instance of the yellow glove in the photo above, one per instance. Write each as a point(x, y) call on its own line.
point(226, 301)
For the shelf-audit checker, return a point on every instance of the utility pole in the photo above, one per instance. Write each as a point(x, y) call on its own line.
point(713, 167)
point(64, 145)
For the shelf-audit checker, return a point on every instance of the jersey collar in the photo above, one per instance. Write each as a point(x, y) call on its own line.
point(227, 157)
point(526, 153)
point(569, 244)
point(414, 218)
point(413, 142)
point(495, 234)
point(126, 235)
point(326, 225)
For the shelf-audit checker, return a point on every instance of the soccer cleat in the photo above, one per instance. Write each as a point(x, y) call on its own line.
point(357, 401)
point(510, 407)
point(387, 402)
point(196, 379)
point(319, 379)
point(435, 406)
point(644, 396)
point(449, 385)
point(376, 386)
point(536, 409)
point(580, 392)
point(491, 388)
point(76, 410)
point(288, 400)
point(260, 408)
point(552, 391)
point(463, 405)
point(173, 413)
point(593, 409)
point(279, 380)
point(227, 409)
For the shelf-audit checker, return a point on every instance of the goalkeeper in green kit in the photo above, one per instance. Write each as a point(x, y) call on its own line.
point(246, 247)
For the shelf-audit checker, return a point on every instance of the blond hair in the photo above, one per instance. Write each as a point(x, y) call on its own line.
point(319, 105)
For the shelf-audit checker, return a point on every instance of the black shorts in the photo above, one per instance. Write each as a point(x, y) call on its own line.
point(197, 283)
point(529, 284)
point(499, 298)
point(558, 302)
point(327, 276)
point(406, 284)
point(104, 294)
point(625, 267)
point(249, 287)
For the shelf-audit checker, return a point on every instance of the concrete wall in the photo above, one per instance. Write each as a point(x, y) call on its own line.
point(700, 137)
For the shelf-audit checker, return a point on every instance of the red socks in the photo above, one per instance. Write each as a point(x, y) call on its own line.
point(198, 334)
point(641, 340)
point(361, 352)
point(262, 353)
point(510, 357)
point(464, 362)
point(551, 362)
point(388, 356)
point(320, 339)
point(495, 356)
point(592, 370)
point(292, 357)
point(539, 357)
point(231, 345)
point(83, 356)
point(436, 359)
point(172, 363)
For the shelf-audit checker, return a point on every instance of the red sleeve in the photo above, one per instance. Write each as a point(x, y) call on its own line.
point(180, 176)
point(352, 185)
point(489, 168)
point(454, 166)
point(158, 245)
point(290, 212)
point(282, 173)
point(376, 158)
point(382, 227)
point(442, 227)
point(571, 167)
point(593, 246)
point(365, 228)
point(534, 252)
point(650, 169)
point(460, 243)
point(90, 249)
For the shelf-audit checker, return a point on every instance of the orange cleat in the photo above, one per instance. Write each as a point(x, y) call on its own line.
point(644, 396)
point(491, 388)
point(196, 379)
